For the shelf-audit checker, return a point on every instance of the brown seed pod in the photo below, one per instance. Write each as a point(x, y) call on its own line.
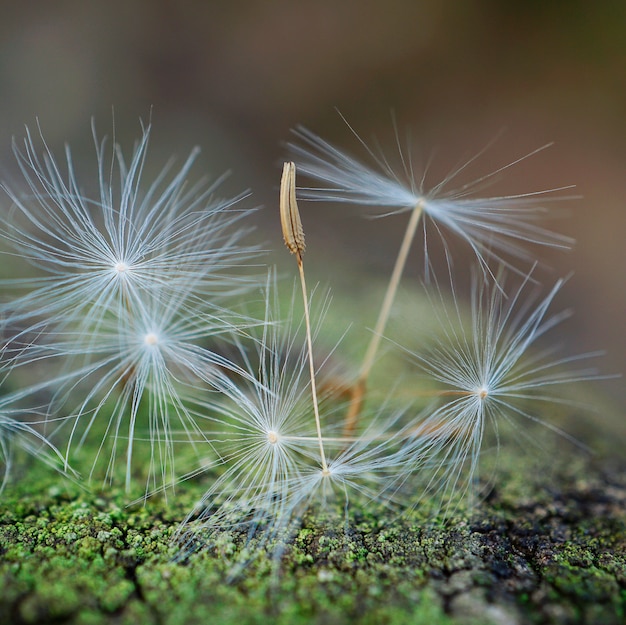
point(289, 213)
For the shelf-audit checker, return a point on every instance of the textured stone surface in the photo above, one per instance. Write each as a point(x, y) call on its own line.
point(532, 552)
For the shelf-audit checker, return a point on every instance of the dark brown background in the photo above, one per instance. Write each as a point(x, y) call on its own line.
point(233, 77)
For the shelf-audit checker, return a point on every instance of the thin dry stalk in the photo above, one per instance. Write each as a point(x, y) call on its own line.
point(359, 388)
point(294, 240)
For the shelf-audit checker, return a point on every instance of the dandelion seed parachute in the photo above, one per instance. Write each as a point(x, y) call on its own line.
point(495, 228)
point(490, 375)
point(136, 280)
point(106, 253)
point(272, 471)
point(150, 377)
point(265, 435)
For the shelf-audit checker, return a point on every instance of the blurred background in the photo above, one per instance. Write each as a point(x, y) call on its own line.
point(235, 76)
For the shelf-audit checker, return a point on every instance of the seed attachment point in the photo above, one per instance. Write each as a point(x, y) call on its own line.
point(482, 392)
point(151, 339)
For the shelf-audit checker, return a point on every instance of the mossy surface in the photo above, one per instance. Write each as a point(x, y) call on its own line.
point(544, 547)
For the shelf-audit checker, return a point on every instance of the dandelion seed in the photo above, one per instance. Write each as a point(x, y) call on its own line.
point(266, 439)
point(108, 252)
point(490, 377)
point(490, 226)
point(493, 227)
point(293, 232)
point(149, 376)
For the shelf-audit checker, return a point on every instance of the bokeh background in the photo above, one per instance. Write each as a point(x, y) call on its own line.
point(235, 76)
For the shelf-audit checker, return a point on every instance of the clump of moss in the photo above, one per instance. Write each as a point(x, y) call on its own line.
point(531, 552)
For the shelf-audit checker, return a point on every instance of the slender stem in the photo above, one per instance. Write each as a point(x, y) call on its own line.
point(358, 394)
point(318, 423)
point(390, 295)
point(294, 240)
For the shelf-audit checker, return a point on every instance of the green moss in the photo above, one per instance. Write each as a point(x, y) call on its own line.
point(534, 552)
point(547, 545)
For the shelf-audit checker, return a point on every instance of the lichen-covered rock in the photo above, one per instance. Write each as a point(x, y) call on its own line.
point(534, 551)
